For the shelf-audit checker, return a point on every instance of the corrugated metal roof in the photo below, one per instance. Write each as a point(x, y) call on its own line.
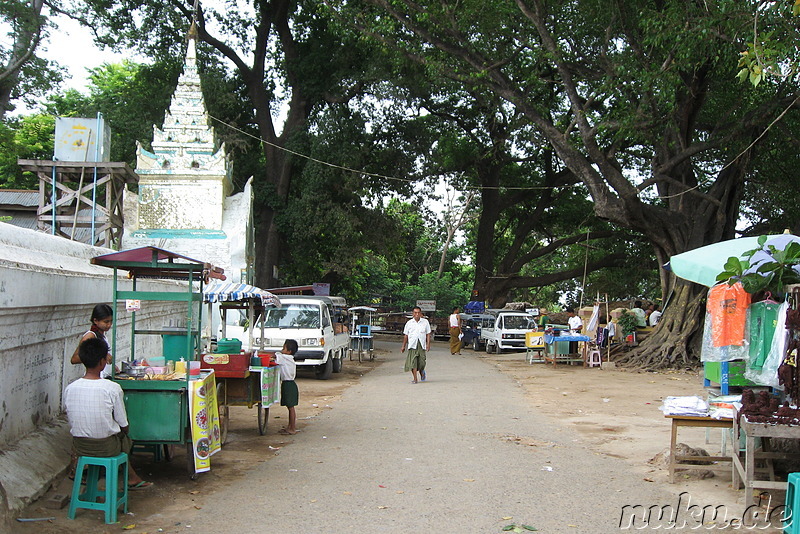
point(22, 219)
point(19, 197)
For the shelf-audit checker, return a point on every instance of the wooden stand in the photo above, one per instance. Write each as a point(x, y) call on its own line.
point(744, 469)
point(695, 421)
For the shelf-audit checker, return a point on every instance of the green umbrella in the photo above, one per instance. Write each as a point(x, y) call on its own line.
point(702, 265)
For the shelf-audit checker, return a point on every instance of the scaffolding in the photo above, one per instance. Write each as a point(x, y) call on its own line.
point(82, 201)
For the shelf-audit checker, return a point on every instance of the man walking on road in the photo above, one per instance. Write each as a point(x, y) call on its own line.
point(417, 337)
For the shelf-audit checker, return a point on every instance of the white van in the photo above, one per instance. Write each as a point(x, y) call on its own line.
point(318, 324)
point(507, 331)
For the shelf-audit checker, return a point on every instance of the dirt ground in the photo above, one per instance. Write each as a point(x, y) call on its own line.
point(618, 409)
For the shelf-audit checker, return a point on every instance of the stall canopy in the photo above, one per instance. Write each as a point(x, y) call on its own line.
point(702, 265)
point(232, 292)
point(153, 262)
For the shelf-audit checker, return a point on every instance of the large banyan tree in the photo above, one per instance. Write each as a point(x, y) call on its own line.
point(649, 114)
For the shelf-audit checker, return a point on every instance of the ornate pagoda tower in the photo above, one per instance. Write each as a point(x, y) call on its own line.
point(184, 183)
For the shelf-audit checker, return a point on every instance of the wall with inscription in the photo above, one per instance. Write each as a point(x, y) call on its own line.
point(47, 291)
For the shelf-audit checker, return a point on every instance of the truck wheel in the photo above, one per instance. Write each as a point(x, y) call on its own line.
point(476, 344)
point(497, 349)
point(323, 372)
point(488, 347)
point(337, 363)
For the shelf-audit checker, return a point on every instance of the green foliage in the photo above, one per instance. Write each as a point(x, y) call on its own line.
point(772, 275)
point(132, 98)
point(773, 53)
point(446, 291)
point(627, 322)
point(29, 137)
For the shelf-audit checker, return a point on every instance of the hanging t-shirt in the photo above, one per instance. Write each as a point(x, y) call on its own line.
point(727, 308)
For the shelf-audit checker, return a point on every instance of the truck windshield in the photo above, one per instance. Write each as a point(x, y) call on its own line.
point(293, 316)
point(516, 322)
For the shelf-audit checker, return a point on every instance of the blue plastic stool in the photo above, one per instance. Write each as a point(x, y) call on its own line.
point(112, 497)
point(792, 510)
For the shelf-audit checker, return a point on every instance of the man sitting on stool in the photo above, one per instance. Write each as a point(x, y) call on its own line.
point(96, 412)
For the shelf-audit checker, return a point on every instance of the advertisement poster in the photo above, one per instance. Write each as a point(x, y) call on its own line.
point(204, 417)
point(270, 386)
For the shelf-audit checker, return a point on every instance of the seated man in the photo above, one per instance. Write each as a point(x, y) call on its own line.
point(96, 412)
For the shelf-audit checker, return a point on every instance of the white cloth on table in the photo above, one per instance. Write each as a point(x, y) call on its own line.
point(287, 365)
point(417, 332)
point(692, 405)
point(95, 408)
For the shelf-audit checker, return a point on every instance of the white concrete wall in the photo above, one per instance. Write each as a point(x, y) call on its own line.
point(47, 291)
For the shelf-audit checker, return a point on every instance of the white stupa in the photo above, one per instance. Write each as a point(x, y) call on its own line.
point(184, 183)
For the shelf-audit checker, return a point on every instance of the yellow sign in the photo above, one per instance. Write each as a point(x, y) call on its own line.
point(204, 416)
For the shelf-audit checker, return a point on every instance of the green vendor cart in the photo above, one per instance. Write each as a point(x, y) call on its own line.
point(158, 410)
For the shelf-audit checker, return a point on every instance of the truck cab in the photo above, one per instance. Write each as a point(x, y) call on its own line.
point(472, 324)
point(507, 330)
point(318, 324)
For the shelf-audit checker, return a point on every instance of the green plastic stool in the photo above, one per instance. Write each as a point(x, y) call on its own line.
point(112, 497)
point(791, 524)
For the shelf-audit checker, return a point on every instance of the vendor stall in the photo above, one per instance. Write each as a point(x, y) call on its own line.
point(244, 378)
point(361, 331)
point(751, 339)
point(559, 346)
point(168, 399)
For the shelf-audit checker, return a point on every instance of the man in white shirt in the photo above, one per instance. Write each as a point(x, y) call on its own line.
point(655, 316)
point(417, 337)
point(96, 411)
point(574, 322)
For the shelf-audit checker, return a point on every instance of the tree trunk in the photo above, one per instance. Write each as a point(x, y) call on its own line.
point(27, 34)
point(677, 338)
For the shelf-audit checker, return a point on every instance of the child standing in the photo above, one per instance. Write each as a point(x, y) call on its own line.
point(96, 411)
point(102, 320)
point(290, 395)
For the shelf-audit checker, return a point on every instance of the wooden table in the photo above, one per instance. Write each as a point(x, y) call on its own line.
point(695, 421)
point(744, 469)
point(554, 356)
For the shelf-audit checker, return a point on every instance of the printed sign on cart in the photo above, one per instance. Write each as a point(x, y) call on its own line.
point(133, 305)
point(204, 416)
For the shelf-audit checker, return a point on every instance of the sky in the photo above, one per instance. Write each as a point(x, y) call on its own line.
point(71, 46)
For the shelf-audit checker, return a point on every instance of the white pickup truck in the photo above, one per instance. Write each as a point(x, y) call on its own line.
point(318, 324)
point(507, 331)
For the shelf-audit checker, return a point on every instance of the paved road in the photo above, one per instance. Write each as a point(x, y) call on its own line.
point(462, 452)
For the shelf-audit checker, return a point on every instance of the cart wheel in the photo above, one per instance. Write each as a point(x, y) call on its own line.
point(263, 417)
point(224, 412)
point(190, 460)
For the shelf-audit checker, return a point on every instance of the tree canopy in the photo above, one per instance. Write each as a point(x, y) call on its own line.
point(644, 112)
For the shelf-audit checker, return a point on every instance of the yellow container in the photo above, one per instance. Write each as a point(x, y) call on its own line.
point(534, 340)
